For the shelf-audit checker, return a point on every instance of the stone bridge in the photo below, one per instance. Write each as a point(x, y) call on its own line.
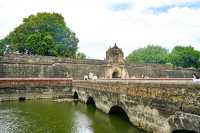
point(158, 106)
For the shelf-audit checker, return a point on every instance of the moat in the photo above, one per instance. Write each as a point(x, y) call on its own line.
point(50, 117)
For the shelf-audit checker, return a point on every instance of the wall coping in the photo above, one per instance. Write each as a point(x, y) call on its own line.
point(35, 79)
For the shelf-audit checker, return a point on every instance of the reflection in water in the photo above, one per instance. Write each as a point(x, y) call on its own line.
point(49, 117)
point(82, 124)
point(9, 122)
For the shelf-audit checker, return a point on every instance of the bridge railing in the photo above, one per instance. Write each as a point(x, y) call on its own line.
point(149, 80)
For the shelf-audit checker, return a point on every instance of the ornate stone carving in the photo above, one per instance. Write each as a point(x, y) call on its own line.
point(115, 63)
point(115, 55)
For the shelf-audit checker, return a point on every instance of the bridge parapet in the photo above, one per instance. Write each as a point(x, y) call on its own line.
point(149, 104)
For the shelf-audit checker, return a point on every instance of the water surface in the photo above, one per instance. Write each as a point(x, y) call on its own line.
point(50, 117)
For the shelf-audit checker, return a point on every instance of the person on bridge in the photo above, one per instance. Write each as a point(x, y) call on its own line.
point(195, 78)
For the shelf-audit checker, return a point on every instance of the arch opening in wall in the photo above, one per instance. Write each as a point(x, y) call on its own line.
point(90, 101)
point(118, 111)
point(75, 96)
point(183, 131)
point(22, 99)
point(115, 74)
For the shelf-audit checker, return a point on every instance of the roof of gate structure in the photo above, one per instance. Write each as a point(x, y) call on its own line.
point(115, 50)
point(115, 55)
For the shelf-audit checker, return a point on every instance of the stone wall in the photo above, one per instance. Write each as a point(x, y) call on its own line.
point(30, 88)
point(159, 106)
point(43, 66)
point(157, 70)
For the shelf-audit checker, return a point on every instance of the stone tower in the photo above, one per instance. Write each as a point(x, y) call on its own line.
point(115, 67)
point(115, 55)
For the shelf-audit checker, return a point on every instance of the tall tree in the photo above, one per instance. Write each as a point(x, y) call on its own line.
point(185, 56)
point(150, 54)
point(43, 34)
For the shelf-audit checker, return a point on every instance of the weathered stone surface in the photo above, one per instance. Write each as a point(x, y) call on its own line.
point(185, 121)
point(151, 105)
point(41, 66)
point(13, 89)
point(115, 55)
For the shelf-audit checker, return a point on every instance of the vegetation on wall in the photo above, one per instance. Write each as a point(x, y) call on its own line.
point(42, 34)
point(80, 56)
point(180, 56)
point(2, 47)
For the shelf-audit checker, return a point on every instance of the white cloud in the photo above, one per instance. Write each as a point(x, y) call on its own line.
point(98, 27)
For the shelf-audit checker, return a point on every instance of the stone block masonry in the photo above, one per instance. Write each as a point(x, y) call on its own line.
point(25, 66)
point(34, 88)
point(114, 66)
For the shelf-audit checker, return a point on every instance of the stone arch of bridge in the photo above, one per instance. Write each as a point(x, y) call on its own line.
point(183, 131)
point(75, 96)
point(22, 98)
point(91, 101)
point(182, 122)
point(119, 111)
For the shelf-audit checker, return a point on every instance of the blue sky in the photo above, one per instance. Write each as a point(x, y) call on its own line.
point(99, 24)
point(165, 7)
point(123, 6)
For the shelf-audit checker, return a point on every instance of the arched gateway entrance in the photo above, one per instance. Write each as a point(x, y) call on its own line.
point(115, 74)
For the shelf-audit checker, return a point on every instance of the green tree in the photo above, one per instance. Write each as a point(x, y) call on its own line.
point(80, 55)
point(41, 44)
point(43, 34)
point(185, 56)
point(150, 54)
